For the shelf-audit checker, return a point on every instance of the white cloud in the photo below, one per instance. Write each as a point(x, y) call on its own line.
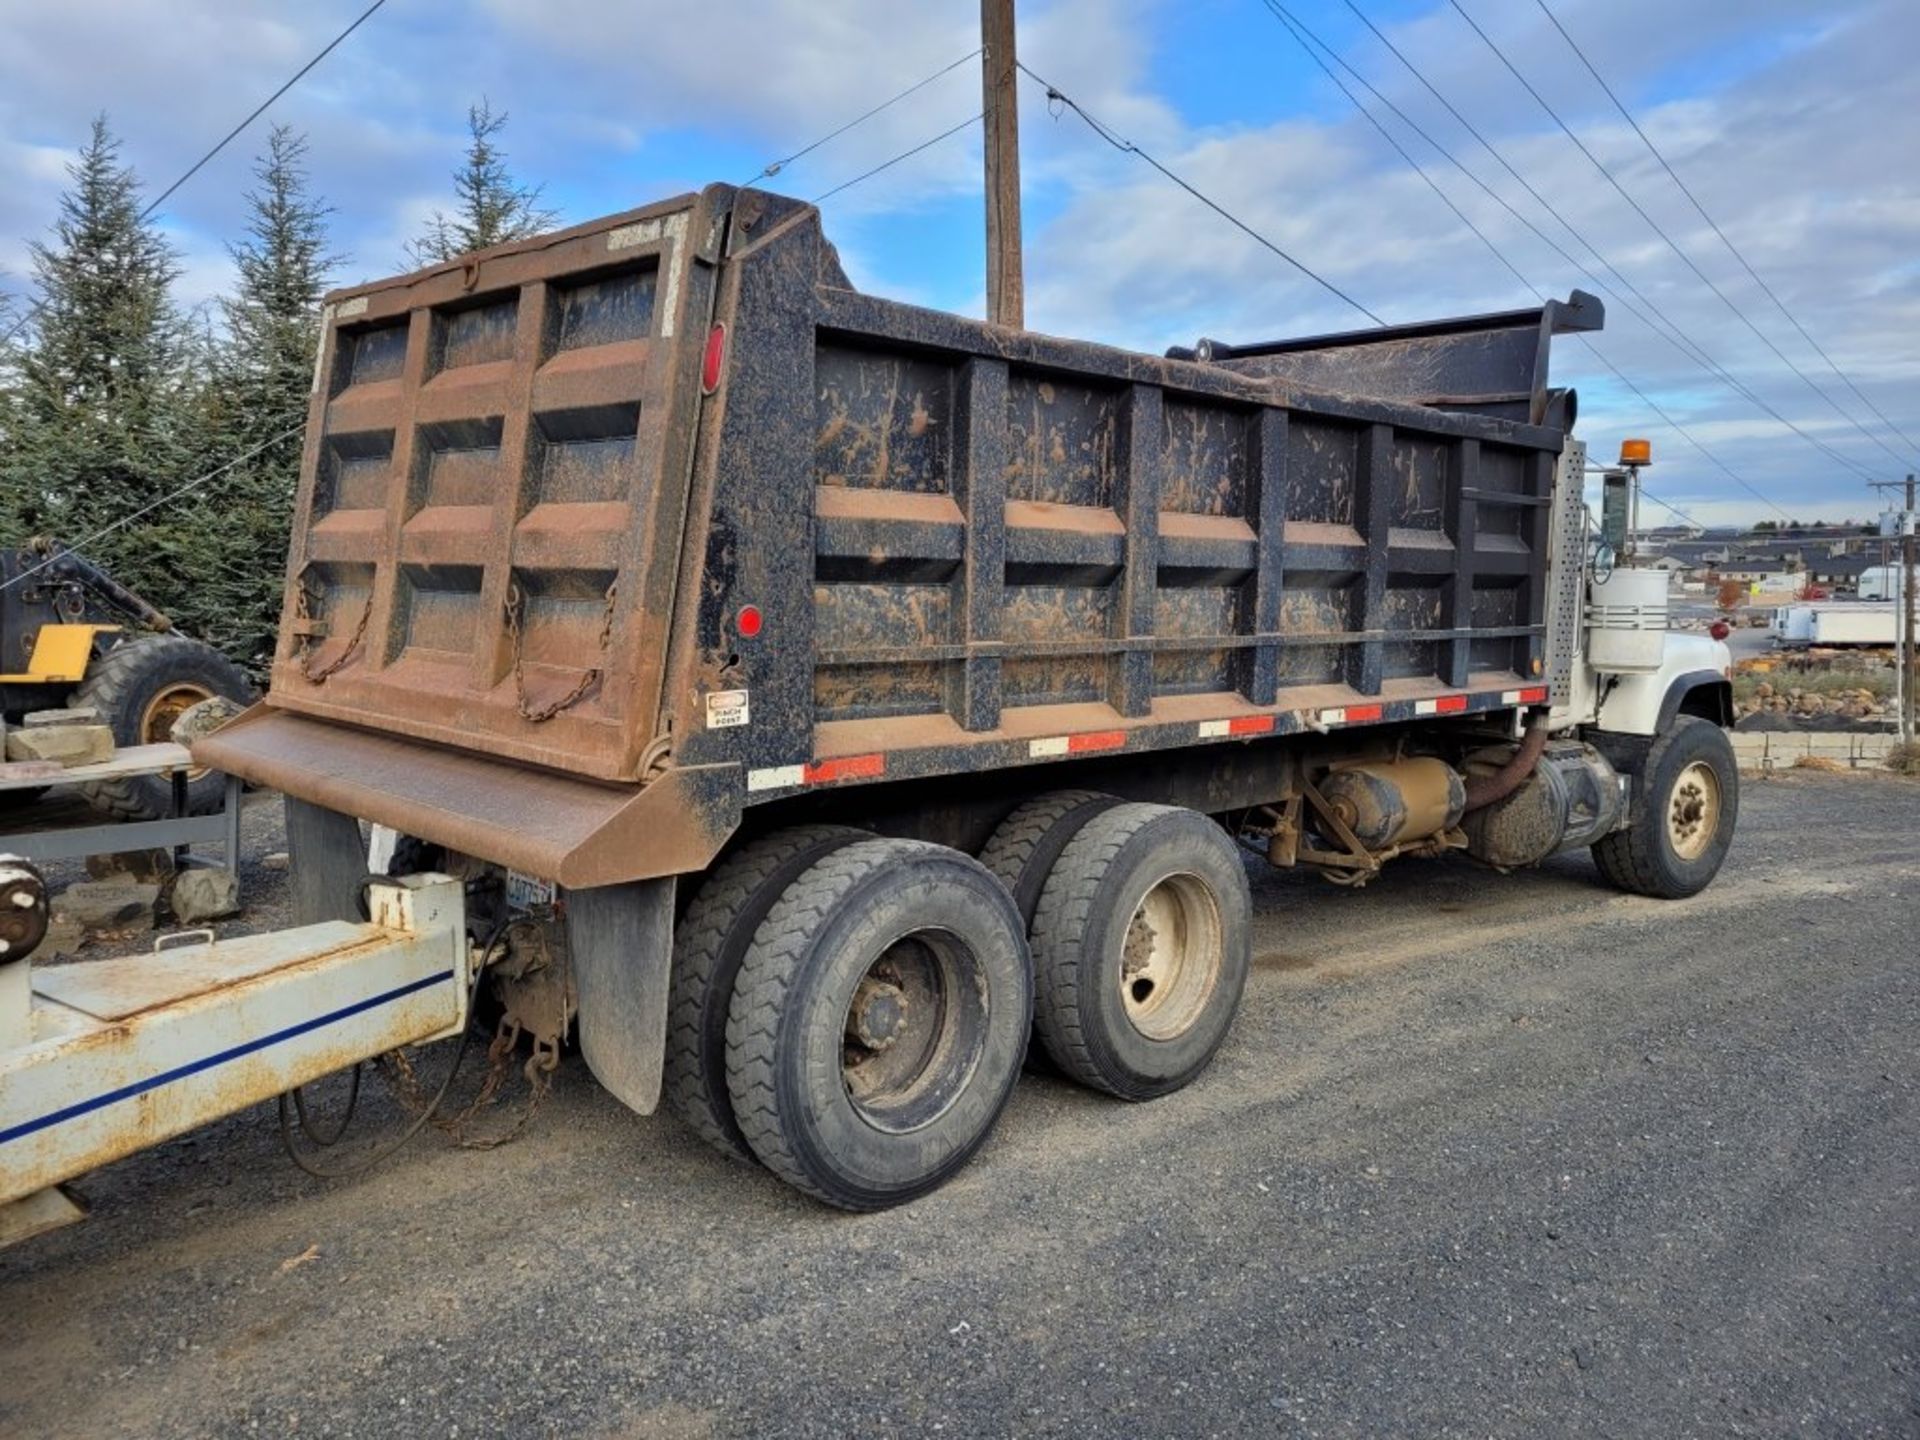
point(1791, 118)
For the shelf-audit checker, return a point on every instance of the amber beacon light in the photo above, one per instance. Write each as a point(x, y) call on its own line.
point(1636, 452)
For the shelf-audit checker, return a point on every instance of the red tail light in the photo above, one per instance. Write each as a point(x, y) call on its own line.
point(715, 358)
point(1719, 630)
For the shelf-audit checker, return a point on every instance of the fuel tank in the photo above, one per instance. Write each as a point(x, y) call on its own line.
point(1388, 802)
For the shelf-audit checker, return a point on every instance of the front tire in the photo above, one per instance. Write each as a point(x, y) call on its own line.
point(878, 1022)
point(1684, 811)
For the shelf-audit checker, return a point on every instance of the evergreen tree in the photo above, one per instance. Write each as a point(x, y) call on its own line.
point(93, 390)
point(493, 207)
point(261, 377)
point(273, 320)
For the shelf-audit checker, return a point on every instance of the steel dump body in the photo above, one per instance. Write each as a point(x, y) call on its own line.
point(531, 546)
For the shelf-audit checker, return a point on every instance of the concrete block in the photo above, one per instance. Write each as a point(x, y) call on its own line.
point(65, 935)
point(56, 719)
point(202, 895)
point(108, 905)
point(70, 745)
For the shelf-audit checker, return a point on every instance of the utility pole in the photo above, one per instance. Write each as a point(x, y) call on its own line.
point(1909, 649)
point(1906, 700)
point(1006, 290)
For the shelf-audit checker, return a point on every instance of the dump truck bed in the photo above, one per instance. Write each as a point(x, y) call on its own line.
point(662, 504)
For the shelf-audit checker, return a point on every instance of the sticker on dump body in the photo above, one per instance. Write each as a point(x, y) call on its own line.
point(528, 892)
point(726, 708)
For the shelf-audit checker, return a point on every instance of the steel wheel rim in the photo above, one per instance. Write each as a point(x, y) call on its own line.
point(1171, 956)
point(914, 1031)
point(168, 704)
point(1693, 810)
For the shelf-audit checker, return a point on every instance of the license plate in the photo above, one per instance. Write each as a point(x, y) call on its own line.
point(528, 892)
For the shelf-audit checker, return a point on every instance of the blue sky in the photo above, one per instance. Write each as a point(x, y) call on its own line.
point(1795, 122)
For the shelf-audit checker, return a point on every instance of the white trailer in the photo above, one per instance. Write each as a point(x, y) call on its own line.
point(1838, 622)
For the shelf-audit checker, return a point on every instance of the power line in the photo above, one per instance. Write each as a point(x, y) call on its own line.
point(903, 155)
point(1300, 34)
point(261, 108)
point(1647, 311)
point(1129, 148)
point(225, 140)
point(1660, 230)
point(778, 165)
point(1732, 249)
point(167, 499)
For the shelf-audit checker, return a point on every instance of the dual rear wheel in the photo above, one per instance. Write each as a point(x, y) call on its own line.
point(852, 1012)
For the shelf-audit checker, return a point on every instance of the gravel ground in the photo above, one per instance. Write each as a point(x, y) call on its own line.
point(1483, 1156)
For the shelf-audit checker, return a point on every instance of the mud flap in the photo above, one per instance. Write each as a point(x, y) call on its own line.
point(328, 860)
point(620, 938)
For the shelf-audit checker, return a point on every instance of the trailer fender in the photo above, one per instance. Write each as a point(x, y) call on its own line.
point(620, 940)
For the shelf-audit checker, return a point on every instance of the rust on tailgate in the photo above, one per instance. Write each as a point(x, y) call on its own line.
point(560, 827)
point(492, 492)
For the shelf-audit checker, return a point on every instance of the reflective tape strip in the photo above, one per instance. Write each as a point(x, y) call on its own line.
point(1238, 725)
point(777, 778)
point(850, 767)
point(1444, 705)
point(1351, 715)
point(1057, 745)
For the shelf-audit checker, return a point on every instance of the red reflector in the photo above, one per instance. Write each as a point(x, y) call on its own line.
point(1251, 725)
point(1356, 713)
point(1450, 704)
point(716, 356)
point(1536, 696)
point(1719, 630)
point(1096, 740)
point(747, 623)
point(850, 767)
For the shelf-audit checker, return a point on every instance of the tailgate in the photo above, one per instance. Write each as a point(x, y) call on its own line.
point(492, 493)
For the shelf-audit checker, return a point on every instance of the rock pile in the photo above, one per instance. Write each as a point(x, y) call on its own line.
point(1792, 708)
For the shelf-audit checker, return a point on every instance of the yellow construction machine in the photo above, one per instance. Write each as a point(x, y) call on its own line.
point(71, 635)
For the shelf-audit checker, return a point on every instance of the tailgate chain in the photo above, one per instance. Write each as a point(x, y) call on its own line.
point(303, 657)
point(516, 605)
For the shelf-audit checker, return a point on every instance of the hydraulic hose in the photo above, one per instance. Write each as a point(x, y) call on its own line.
point(1484, 790)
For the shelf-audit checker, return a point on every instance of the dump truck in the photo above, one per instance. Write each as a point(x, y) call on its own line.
point(861, 695)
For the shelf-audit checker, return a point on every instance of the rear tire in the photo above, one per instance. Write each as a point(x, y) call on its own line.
point(709, 944)
point(878, 1022)
point(1684, 812)
point(1140, 948)
point(139, 687)
point(1023, 848)
point(1022, 852)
